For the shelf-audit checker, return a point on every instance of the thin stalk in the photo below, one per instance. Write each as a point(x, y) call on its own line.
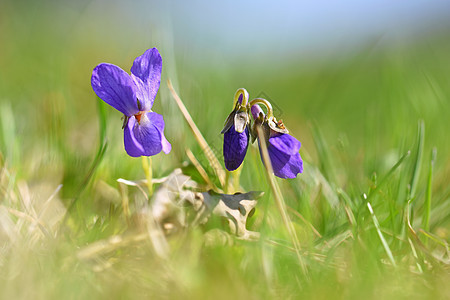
point(380, 234)
point(245, 97)
point(419, 267)
point(236, 178)
point(265, 103)
point(389, 173)
point(418, 162)
point(147, 166)
point(213, 161)
point(226, 187)
point(281, 205)
point(201, 171)
point(427, 204)
point(326, 165)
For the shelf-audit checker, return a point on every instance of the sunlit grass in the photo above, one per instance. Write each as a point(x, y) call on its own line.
point(371, 210)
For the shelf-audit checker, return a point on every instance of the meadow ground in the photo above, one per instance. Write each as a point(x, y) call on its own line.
point(371, 210)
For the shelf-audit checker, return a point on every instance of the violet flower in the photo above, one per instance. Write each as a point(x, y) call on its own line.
point(282, 147)
point(133, 95)
point(236, 133)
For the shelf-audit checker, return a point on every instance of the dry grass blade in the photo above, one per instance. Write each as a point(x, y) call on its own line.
point(220, 172)
point(281, 205)
point(300, 216)
point(201, 171)
point(110, 244)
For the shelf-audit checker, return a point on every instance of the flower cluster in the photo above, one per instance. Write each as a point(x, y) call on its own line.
point(282, 147)
point(133, 95)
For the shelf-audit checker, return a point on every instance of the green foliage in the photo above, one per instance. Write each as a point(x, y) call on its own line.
point(371, 210)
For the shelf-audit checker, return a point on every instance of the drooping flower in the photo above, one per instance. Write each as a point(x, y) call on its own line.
point(281, 146)
point(236, 133)
point(133, 95)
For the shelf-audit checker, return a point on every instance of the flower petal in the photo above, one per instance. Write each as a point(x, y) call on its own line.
point(146, 72)
point(131, 143)
point(256, 110)
point(235, 146)
point(145, 138)
point(114, 86)
point(285, 166)
point(241, 97)
point(158, 121)
point(285, 143)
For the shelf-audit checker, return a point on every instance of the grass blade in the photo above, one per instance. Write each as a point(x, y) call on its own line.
point(220, 172)
point(103, 145)
point(418, 161)
point(389, 173)
point(279, 200)
point(380, 234)
point(326, 166)
point(427, 204)
point(201, 170)
point(7, 134)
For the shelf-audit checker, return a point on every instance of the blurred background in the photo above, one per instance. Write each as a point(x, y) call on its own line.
point(350, 79)
point(359, 74)
point(365, 72)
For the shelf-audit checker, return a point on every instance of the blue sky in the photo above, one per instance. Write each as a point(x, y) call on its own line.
point(259, 29)
point(300, 26)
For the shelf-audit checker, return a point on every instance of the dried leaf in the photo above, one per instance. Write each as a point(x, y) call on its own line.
point(175, 206)
point(235, 208)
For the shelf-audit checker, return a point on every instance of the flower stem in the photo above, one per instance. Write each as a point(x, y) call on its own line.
point(279, 200)
point(245, 97)
point(147, 166)
point(236, 178)
point(233, 186)
point(226, 186)
point(265, 103)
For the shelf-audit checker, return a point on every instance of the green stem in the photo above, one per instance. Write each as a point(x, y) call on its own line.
point(236, 178)
point(265, 103)
point(279, 201)
point(227, 182)
point(147, 166)
point(427, 204)
point(238, 93)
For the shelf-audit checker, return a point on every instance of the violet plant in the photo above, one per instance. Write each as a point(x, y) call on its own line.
point(133, 95)
point(282, 147)
point(236, 132)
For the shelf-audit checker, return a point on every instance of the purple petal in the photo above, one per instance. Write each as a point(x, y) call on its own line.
point(234, 147)
point(114, 86)
point(285, 166)
point(159, 124)
point(146, 72)
point(256, 109)
point(145, 138)
point(241, 97)
point(285, 162)
point(285, 143)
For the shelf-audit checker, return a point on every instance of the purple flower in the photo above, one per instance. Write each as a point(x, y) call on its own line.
point(283, 152)
point(235, 146)
point(133, 95)
point(282, 147)
point(236, 136)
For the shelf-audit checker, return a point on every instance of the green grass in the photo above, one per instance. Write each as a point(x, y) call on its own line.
point(371, 210)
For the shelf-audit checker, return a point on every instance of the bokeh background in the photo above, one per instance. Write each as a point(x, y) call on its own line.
point(365, 72)
point(359, 74)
